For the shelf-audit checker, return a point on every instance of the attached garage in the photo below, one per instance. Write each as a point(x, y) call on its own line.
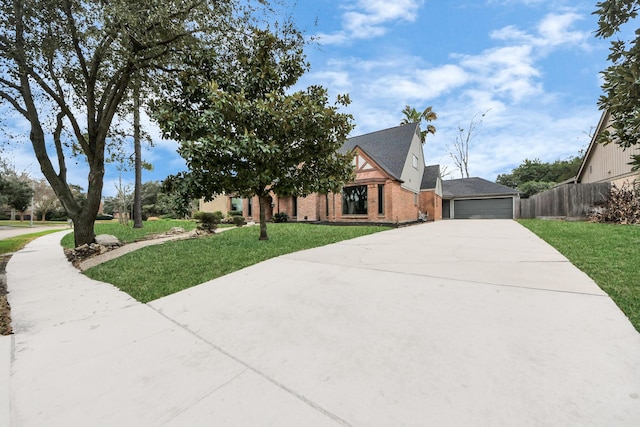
point(499, 208)
point(477, 198)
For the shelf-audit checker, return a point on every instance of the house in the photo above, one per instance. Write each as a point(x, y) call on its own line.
point(477, 198)
point(392, 185)
point(607, 163)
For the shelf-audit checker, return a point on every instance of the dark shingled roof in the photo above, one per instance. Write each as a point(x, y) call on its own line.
point(430, 177)
point(467, 187)
point(389, 148)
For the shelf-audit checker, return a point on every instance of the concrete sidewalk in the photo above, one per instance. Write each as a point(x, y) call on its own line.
point(454, 323)
point(7, 232)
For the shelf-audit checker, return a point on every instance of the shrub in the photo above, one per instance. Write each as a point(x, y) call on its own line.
point(208, 221)
point(238, 220)
point(280, 217)
point(622, 206)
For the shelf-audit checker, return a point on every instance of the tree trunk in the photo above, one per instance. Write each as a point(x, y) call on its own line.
point(137, 192)
point(265, 203)
point(83, 230)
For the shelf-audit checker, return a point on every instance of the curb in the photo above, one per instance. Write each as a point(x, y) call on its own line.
point(6, 348)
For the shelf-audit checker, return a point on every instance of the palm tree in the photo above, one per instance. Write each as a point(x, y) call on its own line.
point(411, 115)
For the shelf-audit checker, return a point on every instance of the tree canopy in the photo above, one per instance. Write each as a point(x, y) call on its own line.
point(621, 80)
point(411, 115)
point(241, 131)
point(534, 176)
point(66, 67)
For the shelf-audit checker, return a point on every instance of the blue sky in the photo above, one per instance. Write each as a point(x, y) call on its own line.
point(533, 67)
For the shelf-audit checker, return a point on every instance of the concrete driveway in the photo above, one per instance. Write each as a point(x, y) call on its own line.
point(454, 323)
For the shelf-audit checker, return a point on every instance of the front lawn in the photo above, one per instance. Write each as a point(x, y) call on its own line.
point(608, 253)
point(13, 244)
point(156, 271)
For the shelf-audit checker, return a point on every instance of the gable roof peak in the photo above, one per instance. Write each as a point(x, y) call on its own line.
point(389, 148)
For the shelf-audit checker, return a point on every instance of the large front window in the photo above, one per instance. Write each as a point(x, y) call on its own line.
point(354, 200)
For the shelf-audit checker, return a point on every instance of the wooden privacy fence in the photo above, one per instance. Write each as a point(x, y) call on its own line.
point(566, 200)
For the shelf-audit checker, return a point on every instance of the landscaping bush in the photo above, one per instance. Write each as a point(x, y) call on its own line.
point(622, 206)
point(208, 221)
point(238, 220)
point(280, 217)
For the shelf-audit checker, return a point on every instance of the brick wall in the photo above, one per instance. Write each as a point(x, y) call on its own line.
point(404, 204)
point(431, 203)
point(399, 206)
point(308, 207)
point(220, 203)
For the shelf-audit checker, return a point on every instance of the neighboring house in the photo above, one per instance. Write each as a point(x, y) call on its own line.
point(392, 185)
point(477, 198)
point(607, 163)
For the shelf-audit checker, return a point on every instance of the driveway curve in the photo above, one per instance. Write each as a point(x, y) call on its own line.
point(452, 323)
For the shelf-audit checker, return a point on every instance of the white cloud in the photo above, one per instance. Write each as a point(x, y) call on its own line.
point(368, 19)
point(553, 31)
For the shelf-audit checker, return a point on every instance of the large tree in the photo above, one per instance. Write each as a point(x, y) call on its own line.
point(534, 176)
point(621, 80)
point(66, 67)
point(246, 133)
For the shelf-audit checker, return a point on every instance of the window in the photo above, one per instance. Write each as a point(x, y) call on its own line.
point(354, 200)
point(250, 207)
point(294, 208)
point(326, 198)
point(236, 204)
point(415, 161)
point(381, 199)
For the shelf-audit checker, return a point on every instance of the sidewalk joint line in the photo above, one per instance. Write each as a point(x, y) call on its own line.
point(505, 285)
point(277, 383)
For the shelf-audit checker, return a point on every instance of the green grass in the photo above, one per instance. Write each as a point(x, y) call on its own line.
point(608, 253)
point(157, 271)
point(128, 234)
point(14, 244)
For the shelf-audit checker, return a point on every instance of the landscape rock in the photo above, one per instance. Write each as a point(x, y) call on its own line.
point(108, 240)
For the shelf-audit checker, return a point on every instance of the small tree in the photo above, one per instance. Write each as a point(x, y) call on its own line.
point(44, 198)
point(243, 134)
point(124, 199)
point(18, 194)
